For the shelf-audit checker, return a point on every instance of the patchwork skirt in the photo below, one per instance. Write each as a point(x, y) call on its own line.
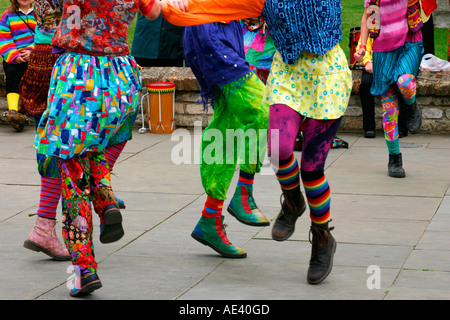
point(92, 103)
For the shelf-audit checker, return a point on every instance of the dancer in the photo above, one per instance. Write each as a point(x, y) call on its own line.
point(397, 52)
point(93, 93)
point(33, 92)
point(17, 26)
point(215, 53)
point(309, 85)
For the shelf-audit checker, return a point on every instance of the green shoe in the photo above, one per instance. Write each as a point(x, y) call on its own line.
point(211, 232)
point(243, 207)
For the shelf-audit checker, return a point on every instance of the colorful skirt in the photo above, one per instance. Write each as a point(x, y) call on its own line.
point(388, 66)
point(92, 103)
point(36, 80)
point(317, 87)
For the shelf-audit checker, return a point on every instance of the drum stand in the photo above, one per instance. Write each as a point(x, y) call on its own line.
point(143, 129)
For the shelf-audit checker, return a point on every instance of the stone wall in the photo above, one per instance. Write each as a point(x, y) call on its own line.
point(433, 97)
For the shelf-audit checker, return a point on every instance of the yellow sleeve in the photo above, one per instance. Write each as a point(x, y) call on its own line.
point(206, 11)
point(368, 55)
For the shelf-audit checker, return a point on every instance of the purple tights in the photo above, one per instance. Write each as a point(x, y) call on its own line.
point(317, 136)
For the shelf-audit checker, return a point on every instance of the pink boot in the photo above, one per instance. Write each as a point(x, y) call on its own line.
point(43, 238)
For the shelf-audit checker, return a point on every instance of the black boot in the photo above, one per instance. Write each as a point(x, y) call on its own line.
point(292, 208)
point(414, 118)
point(322, 252)
point(395, 169)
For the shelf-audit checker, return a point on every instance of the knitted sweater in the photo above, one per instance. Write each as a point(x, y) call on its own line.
point(394, 29)
point(15, 34)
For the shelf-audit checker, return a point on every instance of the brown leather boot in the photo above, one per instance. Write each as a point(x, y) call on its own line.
point(16, 120)
point(292, 208)
point(322, 252)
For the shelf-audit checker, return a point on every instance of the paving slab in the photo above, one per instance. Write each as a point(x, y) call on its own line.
point(392, 234)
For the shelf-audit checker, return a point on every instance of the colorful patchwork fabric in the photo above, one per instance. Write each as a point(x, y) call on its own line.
point(90, 99)
point(16, 34)
point(84, 179)
point(47, 18)
point(414, 19)
point(97, 27)
point(389, 104)
point(258, 44)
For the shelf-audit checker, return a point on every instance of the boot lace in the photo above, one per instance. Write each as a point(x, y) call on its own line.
point(286, 206)
point(251, 202)
point(320, 238)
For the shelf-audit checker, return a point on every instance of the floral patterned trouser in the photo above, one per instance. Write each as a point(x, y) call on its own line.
point(84, 179)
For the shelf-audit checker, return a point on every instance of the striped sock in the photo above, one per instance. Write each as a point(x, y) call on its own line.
point(213, 207)
point(245, 178)
point(318, 195)
point(112, 153)
point(49, 197)
point(287, 173)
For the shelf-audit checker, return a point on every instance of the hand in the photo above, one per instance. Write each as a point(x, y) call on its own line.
point(359, 55)
point(181, 5)
point(25, 55)
point(369, 67)
point(19, 59)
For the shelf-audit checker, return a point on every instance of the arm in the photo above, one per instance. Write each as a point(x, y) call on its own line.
point(151, 9)
point(363, 37)
point(206, 11)
point(8, 49)
point(368, 54)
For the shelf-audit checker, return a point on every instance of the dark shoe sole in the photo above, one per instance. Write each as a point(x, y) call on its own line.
point(35, 247)
point(397, 175)
point(323, 277)
point(224, 254)
point(112, 230)
point(249, 223)
point(87, 289)
point(290, 233)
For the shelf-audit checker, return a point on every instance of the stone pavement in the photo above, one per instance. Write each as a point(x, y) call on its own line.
point(391, 232)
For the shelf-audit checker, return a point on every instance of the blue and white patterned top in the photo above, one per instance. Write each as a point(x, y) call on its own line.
point(303, 25)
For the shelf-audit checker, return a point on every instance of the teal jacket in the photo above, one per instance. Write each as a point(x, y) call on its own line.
point(157, 39)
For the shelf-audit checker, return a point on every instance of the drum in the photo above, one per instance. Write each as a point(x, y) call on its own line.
point(354, 36)
point(161, 107)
